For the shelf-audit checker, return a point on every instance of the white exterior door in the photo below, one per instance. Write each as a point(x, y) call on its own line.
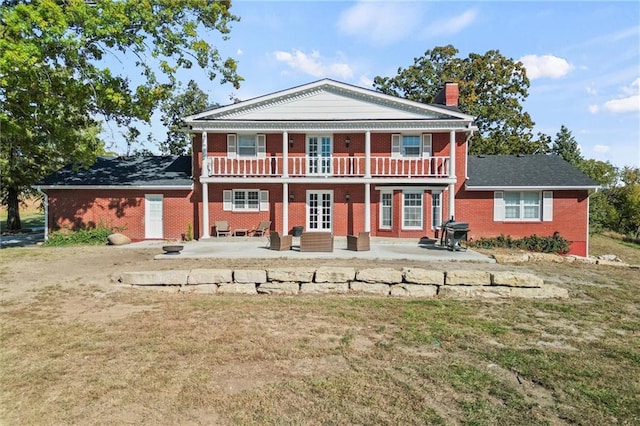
point(319, 152)
point(153, 216)
point(320, 211)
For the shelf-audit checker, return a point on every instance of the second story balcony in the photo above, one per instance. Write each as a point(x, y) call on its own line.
point(330, 166)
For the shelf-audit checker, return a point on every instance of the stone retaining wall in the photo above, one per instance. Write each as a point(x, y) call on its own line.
point(603, 260)
point(409, 282)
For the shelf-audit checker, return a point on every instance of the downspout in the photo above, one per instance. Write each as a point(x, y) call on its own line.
point(46, 212)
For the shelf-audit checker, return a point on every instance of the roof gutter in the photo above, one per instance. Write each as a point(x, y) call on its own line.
point(119, 187)
point(530, 188)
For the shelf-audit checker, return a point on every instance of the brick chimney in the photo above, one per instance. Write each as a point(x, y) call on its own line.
point(448, 95)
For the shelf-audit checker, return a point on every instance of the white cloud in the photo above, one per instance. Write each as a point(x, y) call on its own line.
point(365, 82)
point(453, 25)
point(593, 109)
point(545, 66)
point(602, 149)
point(239, 52)
point(314, 64)
point(382, 23)
point(630, 102)
point(591, 90)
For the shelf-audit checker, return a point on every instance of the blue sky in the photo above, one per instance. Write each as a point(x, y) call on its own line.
point(583, 58)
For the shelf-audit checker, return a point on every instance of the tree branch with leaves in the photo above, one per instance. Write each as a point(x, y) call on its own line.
point(56, 86)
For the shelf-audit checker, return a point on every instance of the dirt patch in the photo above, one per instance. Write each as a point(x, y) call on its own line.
point(239, 377)
point(78, 348)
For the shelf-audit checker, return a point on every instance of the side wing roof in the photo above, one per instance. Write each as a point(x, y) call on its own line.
point(124, 172)
point(512, 172)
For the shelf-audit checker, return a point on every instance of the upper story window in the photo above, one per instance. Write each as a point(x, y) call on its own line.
point(411, 145)
point(246, 145)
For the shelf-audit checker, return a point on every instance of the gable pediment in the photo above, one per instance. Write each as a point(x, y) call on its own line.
point(328, 100)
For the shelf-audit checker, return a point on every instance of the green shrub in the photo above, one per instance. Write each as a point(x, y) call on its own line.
point(93, 236)
point(553, 244)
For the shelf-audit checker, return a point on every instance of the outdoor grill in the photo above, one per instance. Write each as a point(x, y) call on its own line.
point(454, 235)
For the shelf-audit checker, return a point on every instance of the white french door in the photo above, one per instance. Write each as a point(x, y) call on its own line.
point(319, 152)
point(153, 216)
point(320, 211)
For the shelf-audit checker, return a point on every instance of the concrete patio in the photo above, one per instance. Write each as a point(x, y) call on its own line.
point(258, 247)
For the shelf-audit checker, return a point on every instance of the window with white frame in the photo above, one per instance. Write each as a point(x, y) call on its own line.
point(523, 206)
point(412, 211)
point(411, 145)
point(386, 209)
point(246, 145)
point(436, 210)
point(247, 200)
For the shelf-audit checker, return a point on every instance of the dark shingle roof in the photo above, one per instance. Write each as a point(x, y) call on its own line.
point(535, 171)
point(125, 172)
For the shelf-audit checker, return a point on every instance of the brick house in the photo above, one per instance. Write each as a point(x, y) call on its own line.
point(332, 157)
point(147, 197)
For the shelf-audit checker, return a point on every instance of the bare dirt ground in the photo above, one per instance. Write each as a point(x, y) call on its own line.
point(78, 349)
point(27, 269)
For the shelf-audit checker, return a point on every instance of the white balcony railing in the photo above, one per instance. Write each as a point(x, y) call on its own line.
point(328, 166)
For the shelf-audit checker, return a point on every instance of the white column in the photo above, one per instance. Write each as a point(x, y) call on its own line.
point(205, 189)
point(285, 208)
point(367, 154)
point(367, 186)
point(367, 207)
point(452, 154)
point(285, 154)
point(452, 200)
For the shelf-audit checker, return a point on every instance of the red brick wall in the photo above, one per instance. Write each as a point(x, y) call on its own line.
point(569, 218)
point(77, 209)
point(346, 219)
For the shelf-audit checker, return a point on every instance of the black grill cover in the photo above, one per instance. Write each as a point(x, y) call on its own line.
point(457, 226)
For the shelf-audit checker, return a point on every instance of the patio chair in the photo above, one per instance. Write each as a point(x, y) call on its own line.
point(279, 242)
point(261, 230)
point(222, 228)
point(360, 242)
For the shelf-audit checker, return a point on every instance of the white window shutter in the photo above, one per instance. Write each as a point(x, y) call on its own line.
point(261, 146)
point(227, 200)
point(396, 140)
point(547, 206)
point(426, 145)
point(264, 201)
point(498, 206)
point(231, 145)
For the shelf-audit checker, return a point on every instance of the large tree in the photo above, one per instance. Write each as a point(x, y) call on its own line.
point(174, 109)
point(492, 88)
point(625, 198)
point(56, 85)
point(565, 146)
